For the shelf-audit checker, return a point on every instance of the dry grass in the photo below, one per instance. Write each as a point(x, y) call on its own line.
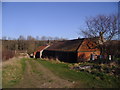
point(11, 72)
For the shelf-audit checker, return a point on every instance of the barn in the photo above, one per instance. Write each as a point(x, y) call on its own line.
point(76, 50)
point(39, 50)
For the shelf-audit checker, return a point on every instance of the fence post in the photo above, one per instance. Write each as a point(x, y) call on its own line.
point(109, 57)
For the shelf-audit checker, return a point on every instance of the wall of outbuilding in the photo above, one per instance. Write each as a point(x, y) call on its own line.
point(65, 56)
point(86, 49)
point(86, 56)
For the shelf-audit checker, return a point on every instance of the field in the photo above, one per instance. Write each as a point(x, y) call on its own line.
point(39, 73)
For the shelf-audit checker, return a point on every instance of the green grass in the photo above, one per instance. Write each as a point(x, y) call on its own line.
point(97, 80)
point(34, 70)
point(23, 64)
point(12, 74)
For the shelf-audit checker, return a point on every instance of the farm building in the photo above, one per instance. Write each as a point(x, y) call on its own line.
point(38, 52)
point(113, 48)
point(72, 50)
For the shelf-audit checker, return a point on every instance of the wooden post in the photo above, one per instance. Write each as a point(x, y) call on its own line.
point(110, 57)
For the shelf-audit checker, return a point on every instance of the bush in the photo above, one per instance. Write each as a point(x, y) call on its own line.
point(7, 54)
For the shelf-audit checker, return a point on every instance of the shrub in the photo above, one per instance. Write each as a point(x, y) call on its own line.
point(7, 54)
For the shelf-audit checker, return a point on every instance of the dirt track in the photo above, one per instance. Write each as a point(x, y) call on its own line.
point(37, 76)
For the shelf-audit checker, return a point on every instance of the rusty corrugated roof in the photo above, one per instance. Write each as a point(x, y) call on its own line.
point(40, 48)
point(67, 45)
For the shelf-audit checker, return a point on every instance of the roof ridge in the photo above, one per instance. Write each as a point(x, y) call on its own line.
point(79, 45)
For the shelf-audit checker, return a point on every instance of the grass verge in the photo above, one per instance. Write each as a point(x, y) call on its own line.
point(87, 80)
point(12, 73)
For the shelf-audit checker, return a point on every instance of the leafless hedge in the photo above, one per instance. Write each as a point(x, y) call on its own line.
point(7, 54)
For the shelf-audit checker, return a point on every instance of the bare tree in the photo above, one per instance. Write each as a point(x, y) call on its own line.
point(104, 27)
point(9, 38)
point(21, 43)
point(56, 38)
point(4, 38)
point(30, 38)
point(21, 37)
point(50, 38)
point(30, 44)
point(43, 38)
point(37, 38)
point(108, 25)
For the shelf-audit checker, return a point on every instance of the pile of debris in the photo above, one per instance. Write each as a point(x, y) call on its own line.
point(95, 69)
point(81, 67)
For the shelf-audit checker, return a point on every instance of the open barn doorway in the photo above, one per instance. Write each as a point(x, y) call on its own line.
point(37, 55)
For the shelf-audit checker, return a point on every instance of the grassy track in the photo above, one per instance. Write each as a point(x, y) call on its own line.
point(30, 73)
point(84, 78)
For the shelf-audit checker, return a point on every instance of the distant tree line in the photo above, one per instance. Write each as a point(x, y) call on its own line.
point(11, 46)
point(42, 38)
